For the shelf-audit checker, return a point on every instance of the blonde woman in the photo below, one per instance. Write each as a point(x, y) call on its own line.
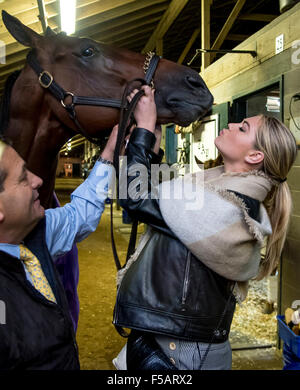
point(177, 293)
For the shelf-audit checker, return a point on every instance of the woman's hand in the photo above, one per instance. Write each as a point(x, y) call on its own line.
point(145, 116)
point(145, 112)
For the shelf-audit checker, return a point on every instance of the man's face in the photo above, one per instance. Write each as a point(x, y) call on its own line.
point(20, 208)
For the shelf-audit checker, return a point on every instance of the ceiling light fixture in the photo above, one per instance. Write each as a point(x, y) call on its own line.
point(67, 16)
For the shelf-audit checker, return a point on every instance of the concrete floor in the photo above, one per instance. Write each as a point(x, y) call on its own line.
point(97, 338)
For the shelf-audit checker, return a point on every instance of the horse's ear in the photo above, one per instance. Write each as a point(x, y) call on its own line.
point(25, 35)
point(50, 32)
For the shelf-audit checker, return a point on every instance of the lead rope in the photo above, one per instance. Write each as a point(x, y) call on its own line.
point(125, 123)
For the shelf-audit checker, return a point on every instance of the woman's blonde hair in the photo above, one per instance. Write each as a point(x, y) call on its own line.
point(279, 146)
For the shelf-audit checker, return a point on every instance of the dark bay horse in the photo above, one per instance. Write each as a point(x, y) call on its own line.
point(38, 125)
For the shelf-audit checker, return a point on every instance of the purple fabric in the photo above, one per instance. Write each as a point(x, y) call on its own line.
point(68, 269)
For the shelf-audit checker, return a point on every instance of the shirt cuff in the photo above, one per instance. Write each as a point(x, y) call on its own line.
point(98, 185)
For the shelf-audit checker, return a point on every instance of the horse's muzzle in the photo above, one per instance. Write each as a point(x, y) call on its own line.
point(188, 109)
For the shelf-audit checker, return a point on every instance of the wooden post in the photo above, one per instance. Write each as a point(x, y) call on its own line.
point(159, 47)
point(174, 9)
point(42, 15)
point(205, 32)
point(227, 26)
point(188, 46)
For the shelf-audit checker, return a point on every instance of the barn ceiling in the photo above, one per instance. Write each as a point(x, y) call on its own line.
point(172, 26)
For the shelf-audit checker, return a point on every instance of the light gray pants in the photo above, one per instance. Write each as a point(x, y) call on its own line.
point(187, 355)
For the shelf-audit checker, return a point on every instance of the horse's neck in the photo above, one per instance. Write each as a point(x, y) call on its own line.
point(38, 142)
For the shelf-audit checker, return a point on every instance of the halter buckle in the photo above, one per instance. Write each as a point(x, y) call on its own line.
point(44, 85)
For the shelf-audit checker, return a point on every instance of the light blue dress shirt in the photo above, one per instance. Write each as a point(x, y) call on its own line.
point(77, 219)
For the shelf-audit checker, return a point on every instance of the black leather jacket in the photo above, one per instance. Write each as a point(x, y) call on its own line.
point(168, 290)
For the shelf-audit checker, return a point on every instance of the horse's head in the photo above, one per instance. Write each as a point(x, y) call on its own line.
point(88, 68)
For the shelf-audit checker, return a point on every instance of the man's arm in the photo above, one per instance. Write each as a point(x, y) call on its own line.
point(77, 219)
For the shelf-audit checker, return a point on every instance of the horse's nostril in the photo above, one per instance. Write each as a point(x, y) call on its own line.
point(194, 82)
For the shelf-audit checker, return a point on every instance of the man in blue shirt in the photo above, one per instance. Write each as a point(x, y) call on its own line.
point(38, 331)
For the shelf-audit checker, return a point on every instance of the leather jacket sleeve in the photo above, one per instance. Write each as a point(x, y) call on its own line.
point(142, 207)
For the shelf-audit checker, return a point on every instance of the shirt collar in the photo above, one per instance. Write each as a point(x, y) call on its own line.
point(11, 249)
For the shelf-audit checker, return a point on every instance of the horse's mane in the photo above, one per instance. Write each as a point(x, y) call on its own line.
point(5, 102)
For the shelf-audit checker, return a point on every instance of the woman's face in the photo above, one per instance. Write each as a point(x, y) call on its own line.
point(237, 142)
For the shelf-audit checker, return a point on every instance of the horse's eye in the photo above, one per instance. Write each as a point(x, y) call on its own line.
point(90, 51)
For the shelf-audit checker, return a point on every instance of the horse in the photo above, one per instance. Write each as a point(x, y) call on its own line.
point(38, 125)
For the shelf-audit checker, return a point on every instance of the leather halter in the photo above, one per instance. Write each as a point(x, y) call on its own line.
point(46, 81)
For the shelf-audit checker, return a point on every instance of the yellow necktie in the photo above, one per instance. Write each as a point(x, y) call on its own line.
point(38, 277)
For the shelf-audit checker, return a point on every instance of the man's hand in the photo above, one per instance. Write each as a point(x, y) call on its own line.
point(109, 150)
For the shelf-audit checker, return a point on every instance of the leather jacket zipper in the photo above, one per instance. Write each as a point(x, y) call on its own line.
point(186, 278)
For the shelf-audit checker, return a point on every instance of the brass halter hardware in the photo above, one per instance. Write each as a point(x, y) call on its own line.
point(44, 72)
point(148, 59)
